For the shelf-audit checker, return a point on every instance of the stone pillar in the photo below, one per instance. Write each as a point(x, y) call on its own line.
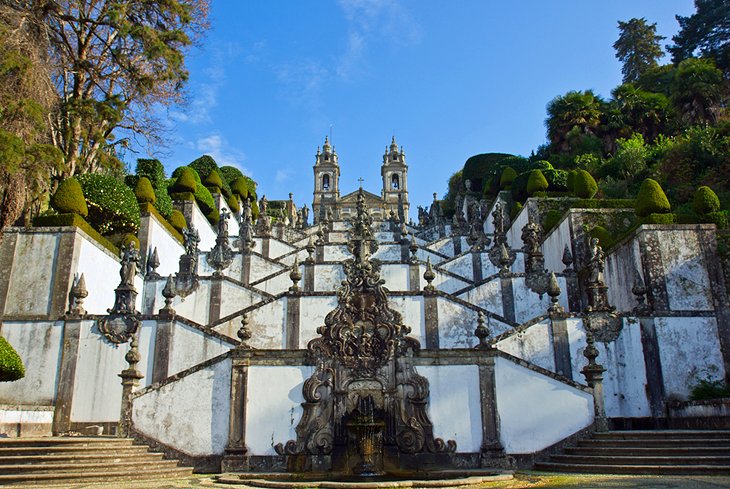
point(62, 276)
point(163, 342)
point(246, 268)
point(456, 240)
point(265, 245)
point(7, 253)
point(653, 268)
point(319, 253)
point(235, 459)
point(476, 265)
point(186, 207)
point(508, 298)
point(653, 367)
point(308, 276)
point(414, 277)
point(130, 379)
point(292, 321)
point(491, 452)
point(66, 376)
point(561, 345)
point(216, 292)
point(431, 319)
point(593, 372)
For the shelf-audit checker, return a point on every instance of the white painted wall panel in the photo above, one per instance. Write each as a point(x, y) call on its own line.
point(535, 345)
point(31, 277)
point(312, 311)
point(169, 249)
point(190, 346)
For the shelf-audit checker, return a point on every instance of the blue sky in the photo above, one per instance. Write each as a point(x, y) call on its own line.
point(449, 78)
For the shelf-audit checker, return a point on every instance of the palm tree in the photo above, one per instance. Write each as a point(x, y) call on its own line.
point(581, 109)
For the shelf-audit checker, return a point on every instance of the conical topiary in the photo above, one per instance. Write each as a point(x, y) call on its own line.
point(234, 204)
point(651, 199)
point(705, 201)
point(240, 187)
point(584, 185)
point(536, 182)
point(69, 198)
point(144, 191)
point(214, 182)
point(508, 175)
point(177, 220)
point(186, 181)
point(11, 366)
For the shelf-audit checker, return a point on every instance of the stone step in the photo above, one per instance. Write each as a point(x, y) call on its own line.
point(641, 460)
point(635, 469)
point(657, 442)
point(75, 458)
point(662, 434)
point(132, 466)
point(30, 451)
point(110, 475)
point(69, 441)
point(677, 451)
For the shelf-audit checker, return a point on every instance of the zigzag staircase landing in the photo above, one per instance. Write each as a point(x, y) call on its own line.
point(35, 461)
point(659, 452)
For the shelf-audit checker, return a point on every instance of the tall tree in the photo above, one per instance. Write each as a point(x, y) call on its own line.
point(114, 63)
point(638, 48)
point(697, 91)
point(706, 32)
point(575, 111)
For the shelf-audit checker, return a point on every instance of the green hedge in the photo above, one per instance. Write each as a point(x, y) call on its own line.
point(508, 176)
point(69, 198)
point(213, 182)
point(63, 220)
point(536, 182)
point(651, 199)
point(229, 174)
point(603, 204)
point(552, 218)
point(657, 218)
point(584, 185)
point(144, 192)
point(204, 166)
point(152, 169)
point(186, 180)
point(705, 201)
point(112, 205)
point(11, 366)
point(557, 179)
point(177, 220)
point(605, 238)
point(163, 202)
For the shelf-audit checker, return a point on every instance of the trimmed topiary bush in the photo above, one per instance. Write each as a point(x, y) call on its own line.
point(11, 366)
point(508, 176)
point(657, 218)
point(536, 182)
point(241, 187)
point(552, 218)
point(584, 185)
point(719, 218)
point(113, 207)
point(204, 165)
point(229, 174)
point(605, 238)
point(144, 191)
point(177, 220)
point(705, 201)
point(213, 182)
point(179, 170)
point(254, 209)
point(186, 181)
point(69, 198)
point(651, 199)
point(234, 204)
point(152, 169)
point(516, 209)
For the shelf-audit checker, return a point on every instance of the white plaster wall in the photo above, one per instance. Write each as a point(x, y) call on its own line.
point(387, 252)
point(261, 267)
point(454, 405)
point(529, 305)
point(97, 387)
point(514, 234)
point(336, 253)
point(312, 311)
point(273, 403)
point(288, 260)
point(534, 344)
point(689, 351)
point(620, 270)
point(205, 230)
point(411, 308)
point(395, 276)
point(267, 325)
point(169, 249)
point(688, 285)
point(444, 246)
point(487, 296)
point(328, 277)
point(191, 414)
point(278, 248)
point(234, 298)
point(385, 236)
point(527, 426)
point(461, 266)
point(458, 322)
point(554, 245)
point(190, 346)
point(276, 284)
point(424, 254)
point(195, 306)
point(31, 278)
point(39, 346)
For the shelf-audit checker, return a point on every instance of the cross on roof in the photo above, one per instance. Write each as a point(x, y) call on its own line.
point(360, 180)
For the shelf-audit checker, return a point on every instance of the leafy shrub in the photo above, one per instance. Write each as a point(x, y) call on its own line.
point(179, 171)
point(152, 169)
point(478, 168)
point(552, 218)
point(177, 220)
point(186, 181)
point(705, 201)
point(229, 174)
point(651, 199)
point(657, 218)
point(11, 366)
point(719, 218)
point(163, 202)
point(541, 165)
point(234, 204)
point(570, 180)
point(69, 198)
point(706, 389)
point(605, 238)
point(508, 176)
point(203, 165)
point(213, 182)
point(112, 205)
point(557, 179)
point(536, 182)
point(584, 185)
point(144, 191)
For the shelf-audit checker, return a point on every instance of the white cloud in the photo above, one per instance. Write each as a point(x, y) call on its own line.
point(225, 155)
point(302, 81)
point(282, 175)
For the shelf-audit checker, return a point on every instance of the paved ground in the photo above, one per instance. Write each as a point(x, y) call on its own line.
point(525, 480)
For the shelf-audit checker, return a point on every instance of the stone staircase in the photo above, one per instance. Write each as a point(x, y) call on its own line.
point(34, 461)
point(660, 452)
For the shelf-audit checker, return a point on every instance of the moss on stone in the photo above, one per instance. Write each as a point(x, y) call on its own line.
point(651, 199)
point(69, 198)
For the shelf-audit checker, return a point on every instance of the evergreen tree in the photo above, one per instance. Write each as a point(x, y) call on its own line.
point(706, 32)
point(638, 48)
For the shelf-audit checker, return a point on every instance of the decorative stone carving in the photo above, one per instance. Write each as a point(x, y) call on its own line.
point(413, 249)
point(553, 291)
point(363, 351)
point(76, 297)
point(600, 318)
point(186, 279)
point(263, 224)
point(536, 277)
point(244, 334)
point(567, 260)
point(503, 257)
point(122, 322)
point(221, 256)
point(153, 261)
point(245, 229)
point(482, 332)
point(168, 292)
point(428, 275)
point(310, 251)
point(639, 291)
point(593, 372)
point(295, 275)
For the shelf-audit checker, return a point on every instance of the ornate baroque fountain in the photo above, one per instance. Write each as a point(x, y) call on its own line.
point(365, 404)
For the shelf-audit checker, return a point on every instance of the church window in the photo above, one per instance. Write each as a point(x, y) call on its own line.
point(394, 181)
point(326, 182)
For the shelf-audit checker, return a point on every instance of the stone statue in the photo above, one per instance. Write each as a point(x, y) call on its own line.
point(263, 204)
point(223, 222)
point(596, 262)
point(130, 260)
point(305, 216)
point(191, 240)
point(247, 216)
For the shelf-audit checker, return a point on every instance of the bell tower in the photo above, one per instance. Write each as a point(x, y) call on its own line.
point(395, 178)
point(326, 181)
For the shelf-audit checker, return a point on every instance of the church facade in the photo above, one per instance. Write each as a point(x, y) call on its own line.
point(393, 197)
